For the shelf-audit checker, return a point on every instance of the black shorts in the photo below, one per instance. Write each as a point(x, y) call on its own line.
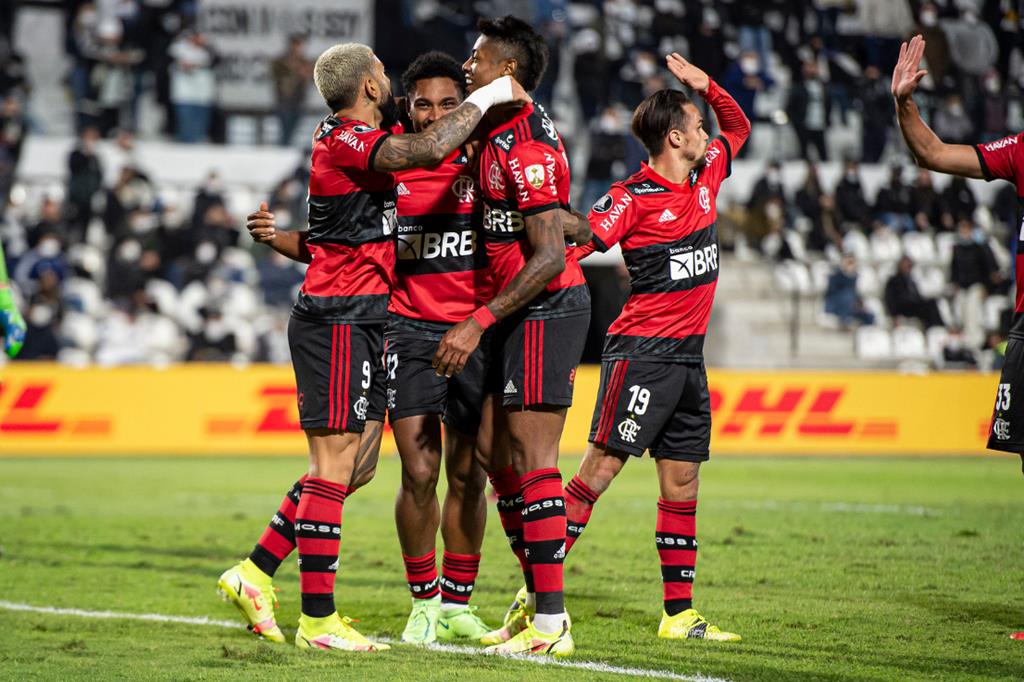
point(1007, 430)
point(533, 361)
point(413, 386)
point(664, 407)
point(339, 374)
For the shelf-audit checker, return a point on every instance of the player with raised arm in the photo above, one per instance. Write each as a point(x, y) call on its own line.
point(336, 332)
point(654, 389)
point(1002, 159)
point(12, 324)
point(540, 310)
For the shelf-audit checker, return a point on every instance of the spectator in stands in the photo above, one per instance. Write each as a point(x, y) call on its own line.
point(51, 222)
point(841, 297)
point(904, 299)
point(193, 86)
point(292, 73)
point(959, 199)
point(45, 312)
point(279, 276)
point(85, 179)
point(936, 51)
point(768, 187)
point(993, 110)
point(951, 121)
point(132, 194)
point(607, 150)
point(955, 352)
point(744, 79)
point(876, 115)
point(215, 341)
point(928, 207)
point(893, 203)
point(851, 206)
point(809, 110)
point(974, 263)
point(13, 71)
point(47, 256)
point(112, 78)
point(13, 126)
point(819, 208)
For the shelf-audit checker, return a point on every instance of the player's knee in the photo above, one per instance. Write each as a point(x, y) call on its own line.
point(467, 483)
point(364, 477)
point(420, 479)
point(679, 480)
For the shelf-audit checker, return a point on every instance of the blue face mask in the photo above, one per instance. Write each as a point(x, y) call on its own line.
point(978, 235)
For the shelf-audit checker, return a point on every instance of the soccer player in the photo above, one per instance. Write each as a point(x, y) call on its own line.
point(12, 324)
point(654, 389)
point(540, 308)
point(336, 330)
point(1003, 159)
point(440, 275)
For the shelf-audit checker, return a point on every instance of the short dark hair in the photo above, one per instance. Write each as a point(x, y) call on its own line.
point(434, 64)
point(656, 115)
point(521, 43)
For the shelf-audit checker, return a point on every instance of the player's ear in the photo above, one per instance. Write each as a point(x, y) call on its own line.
point(675, 138)
point(509, 69)
point(371, 88)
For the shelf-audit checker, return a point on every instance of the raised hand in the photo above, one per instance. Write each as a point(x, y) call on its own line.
point(908, 72)
point(686, 73)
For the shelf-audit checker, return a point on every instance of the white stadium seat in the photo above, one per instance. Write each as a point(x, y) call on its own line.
point(908, 343)
point(873, 343)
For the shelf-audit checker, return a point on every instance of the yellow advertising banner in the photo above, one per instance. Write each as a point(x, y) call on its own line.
point(223, 410)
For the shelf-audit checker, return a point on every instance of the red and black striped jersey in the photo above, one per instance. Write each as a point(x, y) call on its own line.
point(1005, 159)
point(351, 225)
point(670, 244)
point(524, 171)
point(440, 271)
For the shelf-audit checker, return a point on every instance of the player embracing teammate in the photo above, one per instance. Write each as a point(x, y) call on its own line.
point(336, 332)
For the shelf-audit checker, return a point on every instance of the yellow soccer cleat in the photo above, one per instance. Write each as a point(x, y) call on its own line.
point(460, 623)
point(251, 591)
point(514, 623)
point(533, 642)
point(691, 625)
point(333, 633)
point(421, 628)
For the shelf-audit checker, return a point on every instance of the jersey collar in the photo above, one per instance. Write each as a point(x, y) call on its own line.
point(520, 115)
point(661, 180)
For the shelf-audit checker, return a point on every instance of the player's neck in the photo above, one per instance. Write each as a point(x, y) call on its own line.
point(501, 114)
point(363, 110)
point(670, 167)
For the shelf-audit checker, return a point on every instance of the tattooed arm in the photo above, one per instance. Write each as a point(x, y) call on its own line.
point(429, 148)
point(576, 227)
point(544, 233)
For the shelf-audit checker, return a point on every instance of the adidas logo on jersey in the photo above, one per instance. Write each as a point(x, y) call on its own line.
point(510, 387)
point(402, 190)
point(666, 216)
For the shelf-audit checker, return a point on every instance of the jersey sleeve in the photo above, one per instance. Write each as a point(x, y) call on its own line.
point(717, 163)
point(536, 172)
point(1001, 159)
point(610, 217)
point(356, 146)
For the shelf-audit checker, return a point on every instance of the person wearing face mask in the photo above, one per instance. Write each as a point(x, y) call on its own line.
point(851, 206)
point(744, 79)
point(1003, 159)
point(336, 331)
point(809, 109)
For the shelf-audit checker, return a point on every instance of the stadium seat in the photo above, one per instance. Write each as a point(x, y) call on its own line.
point(936, 338)
point(944, 247)
point(820, 271)
point(931, 281)
point(873, 343)
point(885, 247)
point(868, 284)
point(164, 295)
point(876, 307)
point(793, 276)
point(920, 247)
point(994, 307)
point(84, 296)
point(80, 330)
point(908, 343)
point(857, 244)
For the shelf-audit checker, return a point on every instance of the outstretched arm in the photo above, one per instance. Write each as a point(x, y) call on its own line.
point(430, 147)
point(263, 230)
point(930, 152)
point(544, 233)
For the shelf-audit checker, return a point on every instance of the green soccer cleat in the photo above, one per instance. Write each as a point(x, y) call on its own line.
point(514, 622)
point(691, 625)
point(532, 642)
point(421, 628)
point(460, 623)
point(251, 591)
point(333, 633)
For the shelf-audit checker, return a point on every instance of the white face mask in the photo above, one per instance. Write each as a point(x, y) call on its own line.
point(205, 253)
point(49, 248)
point(748, 66)
point(646, 68)
point(928, 18)
point(129, 252)
point(40, 315)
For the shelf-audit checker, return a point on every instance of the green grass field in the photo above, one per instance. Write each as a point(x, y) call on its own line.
point(831, 570)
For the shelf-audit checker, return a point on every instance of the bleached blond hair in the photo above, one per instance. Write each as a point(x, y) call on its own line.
point(339, 73)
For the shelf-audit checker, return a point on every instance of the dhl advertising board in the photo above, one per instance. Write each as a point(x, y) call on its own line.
point(223, 410)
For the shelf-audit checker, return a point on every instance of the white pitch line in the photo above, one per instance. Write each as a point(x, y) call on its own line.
point(443, 648)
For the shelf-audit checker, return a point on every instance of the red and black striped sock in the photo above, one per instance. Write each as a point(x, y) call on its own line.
point(458, 576)
point(278, 539)
point(421, 575)
point(510, 511)
point(676, 537)
point(318, 537)
point(579, 503)
point(544, 535)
